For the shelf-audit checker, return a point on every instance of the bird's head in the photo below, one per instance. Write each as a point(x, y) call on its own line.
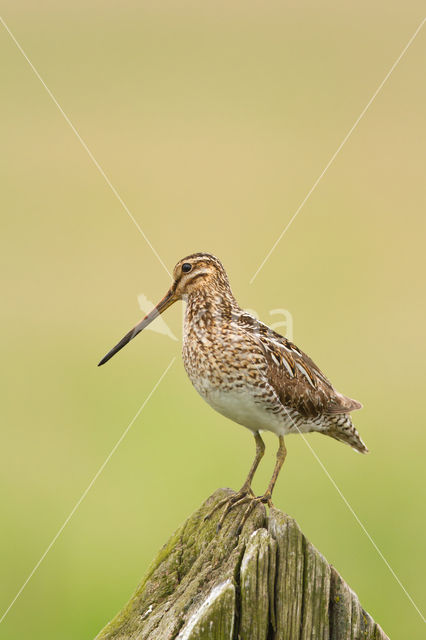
point(198, 272)
point(195, 273)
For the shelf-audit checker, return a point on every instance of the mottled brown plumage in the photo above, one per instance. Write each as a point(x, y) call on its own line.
point(247, 371)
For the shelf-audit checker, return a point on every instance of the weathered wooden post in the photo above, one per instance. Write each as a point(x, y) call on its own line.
point(269, 583)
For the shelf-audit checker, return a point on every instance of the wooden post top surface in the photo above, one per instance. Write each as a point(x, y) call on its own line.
point(269, 583)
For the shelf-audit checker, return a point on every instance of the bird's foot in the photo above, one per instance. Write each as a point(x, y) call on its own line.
point(242, 496)
point(265, 499)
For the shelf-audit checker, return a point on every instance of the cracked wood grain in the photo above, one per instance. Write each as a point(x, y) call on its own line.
point(269, 583)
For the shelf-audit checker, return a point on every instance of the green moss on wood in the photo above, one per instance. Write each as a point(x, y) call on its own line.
point(268, 583)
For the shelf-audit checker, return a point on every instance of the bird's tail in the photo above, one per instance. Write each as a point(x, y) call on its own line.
point(341, 428)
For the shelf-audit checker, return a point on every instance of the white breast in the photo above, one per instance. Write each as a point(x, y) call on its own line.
point(247, 408)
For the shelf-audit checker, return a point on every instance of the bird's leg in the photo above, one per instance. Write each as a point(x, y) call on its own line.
point(245, 493)
point(260, 450)
point(281, 455)
point(266, 498)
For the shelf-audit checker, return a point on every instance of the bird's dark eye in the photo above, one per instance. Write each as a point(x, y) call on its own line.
point(186, 267)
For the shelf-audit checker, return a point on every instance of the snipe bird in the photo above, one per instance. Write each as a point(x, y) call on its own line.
point(248, 372)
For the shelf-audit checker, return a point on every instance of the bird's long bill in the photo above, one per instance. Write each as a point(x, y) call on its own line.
point(168, 300)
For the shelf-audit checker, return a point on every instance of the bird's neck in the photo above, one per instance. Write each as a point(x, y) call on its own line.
point(210, 306)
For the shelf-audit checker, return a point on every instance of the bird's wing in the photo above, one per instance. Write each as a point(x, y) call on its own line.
point(297, 380)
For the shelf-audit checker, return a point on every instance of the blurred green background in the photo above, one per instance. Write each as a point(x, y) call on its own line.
point(212, 120)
